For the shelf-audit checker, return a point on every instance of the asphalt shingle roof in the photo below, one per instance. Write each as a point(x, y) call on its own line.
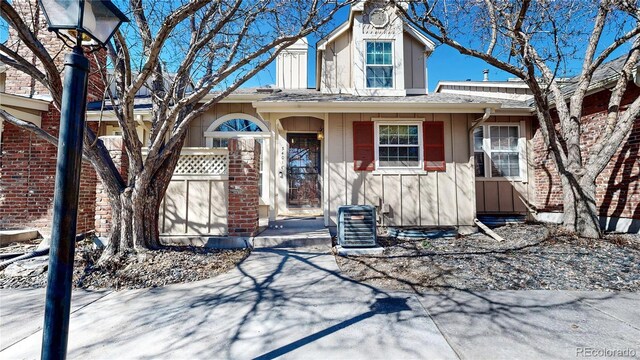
point(311, 95)
point(605, 73)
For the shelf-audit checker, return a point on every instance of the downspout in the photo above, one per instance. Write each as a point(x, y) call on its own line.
point(480, 121)
point(474, 125)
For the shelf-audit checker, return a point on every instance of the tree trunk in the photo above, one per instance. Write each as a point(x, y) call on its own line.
point(580, 208)
point(135, 211)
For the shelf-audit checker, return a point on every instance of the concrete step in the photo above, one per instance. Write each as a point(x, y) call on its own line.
point(312, 239)
point(11, 236)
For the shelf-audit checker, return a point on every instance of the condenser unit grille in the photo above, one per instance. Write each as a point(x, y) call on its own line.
point(357, 226)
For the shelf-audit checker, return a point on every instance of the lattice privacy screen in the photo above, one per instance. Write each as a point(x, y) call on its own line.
point(202, 164)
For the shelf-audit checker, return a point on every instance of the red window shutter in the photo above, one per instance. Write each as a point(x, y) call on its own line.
point(433, 138)
point(363, 146)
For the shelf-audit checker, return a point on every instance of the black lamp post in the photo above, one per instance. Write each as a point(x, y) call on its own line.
point(82, 22)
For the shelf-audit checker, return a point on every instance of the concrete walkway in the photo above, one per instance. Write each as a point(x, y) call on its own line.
point(294, 303)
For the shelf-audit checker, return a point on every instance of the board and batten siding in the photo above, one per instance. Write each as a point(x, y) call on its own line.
point(431, 198)
point(414, 63)
point(337, 64)
point(195, 207)
point(495, 196)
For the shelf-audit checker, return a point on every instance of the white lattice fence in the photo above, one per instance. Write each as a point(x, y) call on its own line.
point(202, 163)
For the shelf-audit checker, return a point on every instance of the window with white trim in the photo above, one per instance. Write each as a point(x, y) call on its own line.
point(497, 151)
point(379, 64)
point(233, 125)
point(478, 151)
point(399, 145)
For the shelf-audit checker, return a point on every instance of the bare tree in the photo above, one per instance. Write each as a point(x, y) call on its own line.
point(535, 40)
point(206, 48)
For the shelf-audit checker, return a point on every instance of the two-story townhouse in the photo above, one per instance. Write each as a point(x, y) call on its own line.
point(368, 133)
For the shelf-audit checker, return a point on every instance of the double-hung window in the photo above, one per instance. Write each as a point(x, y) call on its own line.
point(497, 151)
point(379, 64)
point(399, 145)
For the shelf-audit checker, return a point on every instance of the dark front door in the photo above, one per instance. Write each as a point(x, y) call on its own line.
point(303, 170)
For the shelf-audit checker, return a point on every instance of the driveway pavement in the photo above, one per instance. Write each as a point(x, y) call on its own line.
point(294, 303)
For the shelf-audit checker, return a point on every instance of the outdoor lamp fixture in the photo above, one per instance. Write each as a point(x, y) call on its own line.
point(320, 135)
point(77, 23)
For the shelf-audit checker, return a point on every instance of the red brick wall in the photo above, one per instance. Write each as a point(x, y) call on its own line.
point(18, 82)
point(27, 176)
point(244, 195)
point(27, 163)
point(618, 186)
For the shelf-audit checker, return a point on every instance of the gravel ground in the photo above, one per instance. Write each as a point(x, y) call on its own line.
point(156, 268)
point(531, 257)
point(20, 247)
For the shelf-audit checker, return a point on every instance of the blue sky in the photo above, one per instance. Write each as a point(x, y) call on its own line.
point(444, 64)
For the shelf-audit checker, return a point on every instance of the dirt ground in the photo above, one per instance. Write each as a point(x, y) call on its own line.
point(160, 267)
point(531, 257)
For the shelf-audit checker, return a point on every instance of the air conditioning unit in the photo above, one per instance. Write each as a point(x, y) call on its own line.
point(357, 226)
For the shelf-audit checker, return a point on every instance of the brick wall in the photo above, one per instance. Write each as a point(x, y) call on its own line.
point(19, 83)
point(27, 178)
point(618, 186)
point(244, 195)
point(28, 163)
point(102, 209)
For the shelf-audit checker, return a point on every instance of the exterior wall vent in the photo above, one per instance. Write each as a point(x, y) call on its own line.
point(357, 226)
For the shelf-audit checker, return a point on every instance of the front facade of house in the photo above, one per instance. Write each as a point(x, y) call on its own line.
point(368, 133)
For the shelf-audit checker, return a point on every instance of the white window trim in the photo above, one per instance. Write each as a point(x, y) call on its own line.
point(398, 169)
point(393, 64)
point(486, 144)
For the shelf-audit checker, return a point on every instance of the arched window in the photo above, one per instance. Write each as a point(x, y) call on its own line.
point(238, 125)
point(234, 125)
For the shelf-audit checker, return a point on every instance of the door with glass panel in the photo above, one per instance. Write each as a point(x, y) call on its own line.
point(303, 171)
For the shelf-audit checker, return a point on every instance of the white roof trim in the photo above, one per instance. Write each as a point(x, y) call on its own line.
point(231, 98)
point(491, 84)
point(419, 36)
point(322, 43)
point(24, 102)
point(368, 107)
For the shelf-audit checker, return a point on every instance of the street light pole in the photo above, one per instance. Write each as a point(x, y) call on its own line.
point(65, 200)
point(87, 22)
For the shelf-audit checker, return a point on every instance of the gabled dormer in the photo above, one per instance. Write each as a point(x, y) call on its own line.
point(374, 53)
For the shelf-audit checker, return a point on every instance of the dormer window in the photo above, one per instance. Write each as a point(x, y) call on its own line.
point(379, 64)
